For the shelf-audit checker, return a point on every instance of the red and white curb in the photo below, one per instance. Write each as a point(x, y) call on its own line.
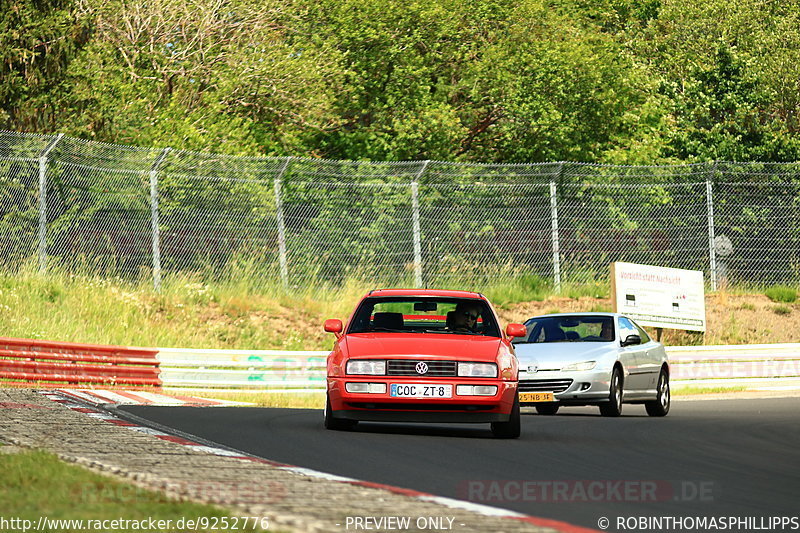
point(67, 398)
point(123, 397)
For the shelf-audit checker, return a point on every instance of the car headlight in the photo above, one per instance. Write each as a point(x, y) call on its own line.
point(579, 367)
point(477, 370)
point(362, 366)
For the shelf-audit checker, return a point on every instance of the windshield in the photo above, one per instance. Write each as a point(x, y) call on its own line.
point(568, 329)
point(409, 314)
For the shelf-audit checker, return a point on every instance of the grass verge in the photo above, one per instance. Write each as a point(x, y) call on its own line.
point(37, 484)
point(310, 400)
point(238, 314)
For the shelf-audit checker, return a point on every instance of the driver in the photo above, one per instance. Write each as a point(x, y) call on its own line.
point(465, 317)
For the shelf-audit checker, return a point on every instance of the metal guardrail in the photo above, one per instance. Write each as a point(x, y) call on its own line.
point(49, 363)
point(291, 371)
point(702, 366)
point(55, 364)
point(723, 366)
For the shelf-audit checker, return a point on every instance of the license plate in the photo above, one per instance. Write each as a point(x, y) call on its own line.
point(421, 390)
point(536, 397)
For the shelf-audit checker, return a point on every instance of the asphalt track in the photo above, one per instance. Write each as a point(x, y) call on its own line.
point(713, 458)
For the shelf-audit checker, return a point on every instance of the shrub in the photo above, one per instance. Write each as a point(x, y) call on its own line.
point(781, 293)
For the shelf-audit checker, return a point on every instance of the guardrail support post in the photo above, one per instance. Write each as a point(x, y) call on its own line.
point(416, 225)
point(712, 255)
point(284, 268)
point(154, 219)
point(43, 202)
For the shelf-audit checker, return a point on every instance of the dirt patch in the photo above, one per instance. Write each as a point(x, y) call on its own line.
point(731, 318)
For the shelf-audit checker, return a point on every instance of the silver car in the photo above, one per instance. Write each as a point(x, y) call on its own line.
point(602, 359)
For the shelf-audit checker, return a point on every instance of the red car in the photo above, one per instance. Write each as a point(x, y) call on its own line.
point(416, 355)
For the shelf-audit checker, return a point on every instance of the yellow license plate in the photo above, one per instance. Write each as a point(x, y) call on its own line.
point(536, 397)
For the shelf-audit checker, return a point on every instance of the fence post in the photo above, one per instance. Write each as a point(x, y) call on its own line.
point(154, 219)
point(554, 232)
point(281, 225)
point(712, 253)
point(415, 225)
point(43, 202)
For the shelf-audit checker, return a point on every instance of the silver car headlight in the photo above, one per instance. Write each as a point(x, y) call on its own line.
point(477, 370)
point(580, 367)
point(366, 367)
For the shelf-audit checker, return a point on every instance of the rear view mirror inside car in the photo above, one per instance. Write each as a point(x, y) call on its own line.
point(424, 306)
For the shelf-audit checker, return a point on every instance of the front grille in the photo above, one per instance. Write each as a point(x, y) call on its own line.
point(408, 367)
point(544, 385)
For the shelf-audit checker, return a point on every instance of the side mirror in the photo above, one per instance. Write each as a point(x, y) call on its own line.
point(630, 340)
point(333, 325)
point(516, 330)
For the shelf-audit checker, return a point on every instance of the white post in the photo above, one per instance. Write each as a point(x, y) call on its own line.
point(712, 254)
point(416, 227)
point(43, 203)
point(154, 219)
point(281, 225)
point(554, 236)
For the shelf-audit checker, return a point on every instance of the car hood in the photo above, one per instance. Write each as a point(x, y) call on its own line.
point(554, 355)
point(431, 346)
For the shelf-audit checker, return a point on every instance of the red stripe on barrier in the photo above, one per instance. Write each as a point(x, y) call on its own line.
point(45, 362)
point(79, 378)
point(36, 345)
point(35, 367)
point(86, 358)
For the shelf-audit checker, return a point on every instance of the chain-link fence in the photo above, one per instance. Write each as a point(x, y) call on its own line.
point(132, 212)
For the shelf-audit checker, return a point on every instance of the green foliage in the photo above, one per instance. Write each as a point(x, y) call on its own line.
point(782, 310)
point(38, 41)
point(37, 482)
point(616, 81)
point(780, 293)
point(520, 289)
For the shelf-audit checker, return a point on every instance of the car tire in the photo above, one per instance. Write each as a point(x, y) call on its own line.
point(613, 407)
point(336, 424)
point(510, 429)
point(660, 406)
point(547, 409)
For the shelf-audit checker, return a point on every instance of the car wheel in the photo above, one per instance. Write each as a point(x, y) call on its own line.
point(547, 408)
point(613, 407)
point(337, 424)
point(660, 406)
point(510, 429)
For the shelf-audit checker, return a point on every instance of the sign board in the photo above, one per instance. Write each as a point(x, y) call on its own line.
point(659, 297)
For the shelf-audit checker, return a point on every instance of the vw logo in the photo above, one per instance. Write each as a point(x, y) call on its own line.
point(533, 368)
point(421, 367)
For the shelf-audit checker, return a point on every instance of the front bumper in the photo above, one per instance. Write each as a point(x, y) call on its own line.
point(568, 388)
point(385, 408)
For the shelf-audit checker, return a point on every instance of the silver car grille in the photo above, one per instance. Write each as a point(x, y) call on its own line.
point(408, 367)
point(544, 385)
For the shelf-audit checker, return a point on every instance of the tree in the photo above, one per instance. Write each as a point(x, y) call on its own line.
point(38, 41)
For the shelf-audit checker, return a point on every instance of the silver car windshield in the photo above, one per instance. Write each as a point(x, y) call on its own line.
point(568, 329)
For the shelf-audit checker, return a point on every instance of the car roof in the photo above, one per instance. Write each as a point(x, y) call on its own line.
point(588, 313)
point(424, 292)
